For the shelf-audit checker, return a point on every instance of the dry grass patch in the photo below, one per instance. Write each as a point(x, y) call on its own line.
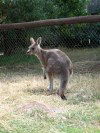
point(26, 98)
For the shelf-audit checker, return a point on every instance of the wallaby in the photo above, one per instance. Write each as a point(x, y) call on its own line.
point(54, 62)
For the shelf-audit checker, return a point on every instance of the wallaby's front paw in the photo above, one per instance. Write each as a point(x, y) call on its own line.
point(45, 77)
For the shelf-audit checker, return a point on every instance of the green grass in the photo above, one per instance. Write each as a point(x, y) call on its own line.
point(84, 60)
point(17, 59)
point(83, 119)
point(82, 55)
point(76, 55)
point(26, 107)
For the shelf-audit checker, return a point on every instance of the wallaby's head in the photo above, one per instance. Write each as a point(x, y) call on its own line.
point(35, 46)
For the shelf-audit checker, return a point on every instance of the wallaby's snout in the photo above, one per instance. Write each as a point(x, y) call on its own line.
point(28, 52)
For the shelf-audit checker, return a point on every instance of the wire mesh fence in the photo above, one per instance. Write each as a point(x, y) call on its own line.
point(81, 42)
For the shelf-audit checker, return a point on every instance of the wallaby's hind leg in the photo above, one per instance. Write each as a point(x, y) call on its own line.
point(51, 82)
point(63, 84)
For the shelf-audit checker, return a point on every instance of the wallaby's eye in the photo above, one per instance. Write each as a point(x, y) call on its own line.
point(32, 48)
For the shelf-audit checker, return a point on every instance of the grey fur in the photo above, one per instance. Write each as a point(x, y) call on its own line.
point(54, 63)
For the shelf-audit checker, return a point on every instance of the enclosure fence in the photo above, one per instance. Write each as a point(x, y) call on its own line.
point(79, 37)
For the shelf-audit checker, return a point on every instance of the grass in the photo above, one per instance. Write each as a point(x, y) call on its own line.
point(92, 54)
point(84, 60)
point(87, 54)
point(17, 59)
point(26, 107)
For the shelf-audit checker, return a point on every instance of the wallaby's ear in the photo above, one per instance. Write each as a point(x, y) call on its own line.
point(32, 40)
point(39, 40)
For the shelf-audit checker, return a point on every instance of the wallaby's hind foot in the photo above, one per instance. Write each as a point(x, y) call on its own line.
point(63, 97)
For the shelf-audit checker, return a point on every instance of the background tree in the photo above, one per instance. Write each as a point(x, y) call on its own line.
point(70, 8)
point(30, 10)
point(94, 7)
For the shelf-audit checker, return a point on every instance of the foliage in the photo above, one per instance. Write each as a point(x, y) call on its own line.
point(94, 7)
point(30, 10)
point(68, 8)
